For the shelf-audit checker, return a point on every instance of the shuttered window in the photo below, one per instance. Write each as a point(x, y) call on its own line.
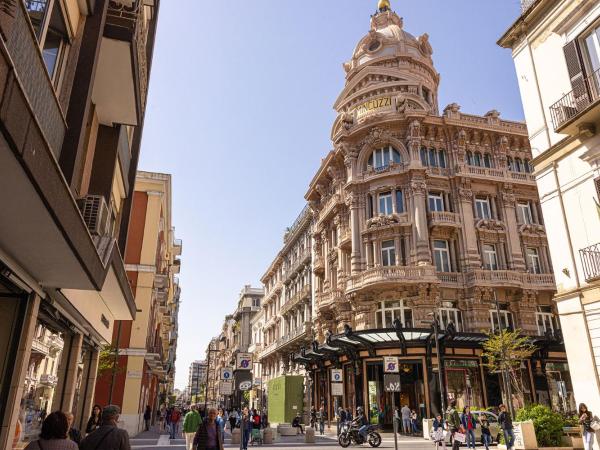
point(576, 73)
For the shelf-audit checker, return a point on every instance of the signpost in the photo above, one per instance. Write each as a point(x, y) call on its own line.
point(391, 383)
point(243, 361)
point(225, 387)
point(226, 373)
point(337, 375)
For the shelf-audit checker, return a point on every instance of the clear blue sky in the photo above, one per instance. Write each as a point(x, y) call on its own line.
point(240, 113)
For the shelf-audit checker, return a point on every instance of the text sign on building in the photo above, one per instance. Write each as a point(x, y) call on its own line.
point(243, 361)
point(226, 388)
point(337, 389)
point(391, 382)
point(372, 106)
point(337, 375)
point(391, 364)
point(226, 373)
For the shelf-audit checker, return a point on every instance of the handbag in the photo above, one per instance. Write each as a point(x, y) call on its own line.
point(460, 437)
point(595, 424)
point(437, 435)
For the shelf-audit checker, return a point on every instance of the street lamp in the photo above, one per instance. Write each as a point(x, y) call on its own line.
point(505, 377)
point(436, 333)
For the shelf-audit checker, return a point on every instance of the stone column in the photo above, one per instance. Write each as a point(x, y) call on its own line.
point(471, 258)
point(89, 385)
point(515, 255)
point(353, 202)
point(419, 203)
point(67, 373)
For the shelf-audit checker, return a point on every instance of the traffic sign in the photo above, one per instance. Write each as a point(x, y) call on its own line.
point(337, 389)
point(226, 373)
point(391, 382)
point(390, 364)
point(245, 385)
point(243, 361)
point(226, 388)
point(337, 375)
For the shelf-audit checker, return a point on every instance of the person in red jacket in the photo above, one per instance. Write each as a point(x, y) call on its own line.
point(175, 419)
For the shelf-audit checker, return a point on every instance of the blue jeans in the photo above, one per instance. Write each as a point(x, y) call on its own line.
point(363, 431)
point(406, 423)
point(321, 427)
point(470, 438)
point(174, 429)
point(246, 438)
point(487, 440)
point(509, 438)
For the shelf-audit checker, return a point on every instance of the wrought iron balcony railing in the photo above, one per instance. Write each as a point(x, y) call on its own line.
point(586, 93)
point(590, 260)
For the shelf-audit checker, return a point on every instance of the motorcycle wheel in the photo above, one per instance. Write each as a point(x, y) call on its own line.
point(374, 439)
point(344, 440)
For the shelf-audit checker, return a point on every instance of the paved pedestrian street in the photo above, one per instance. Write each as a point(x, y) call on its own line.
point(154, 441)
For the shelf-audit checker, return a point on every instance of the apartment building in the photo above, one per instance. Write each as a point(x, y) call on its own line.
point(196, 380)
point(421, 215)
point(556, 50)
point(287, 324)
point(73, 95)
point(146, 346)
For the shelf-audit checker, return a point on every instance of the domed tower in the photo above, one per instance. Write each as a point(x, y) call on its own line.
point(390, 72)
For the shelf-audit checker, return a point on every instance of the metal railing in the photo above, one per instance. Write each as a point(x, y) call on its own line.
point(578, 100)
point(590, 260)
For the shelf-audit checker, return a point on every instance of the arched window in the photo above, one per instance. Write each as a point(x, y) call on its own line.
point(469, 158)
point(487, 160)
point(528, 167)
point(442, 159)
point(383, 157)
point(477, 159)
point(391, 310)
point(510, 163)
point(518, 165)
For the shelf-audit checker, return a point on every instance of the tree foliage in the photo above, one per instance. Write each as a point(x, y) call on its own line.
point(505, 352)
point(107, 361)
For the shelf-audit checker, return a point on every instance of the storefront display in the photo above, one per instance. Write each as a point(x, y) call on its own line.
point(463, 381)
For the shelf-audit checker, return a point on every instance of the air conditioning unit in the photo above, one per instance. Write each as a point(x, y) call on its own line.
point(96, 214)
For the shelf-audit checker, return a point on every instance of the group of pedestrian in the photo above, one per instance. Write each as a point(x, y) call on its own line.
point(407, 420)
point(58, 432)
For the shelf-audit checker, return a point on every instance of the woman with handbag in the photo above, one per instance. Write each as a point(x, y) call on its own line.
point(438, 435)
point(455, 426)
point(589, 426)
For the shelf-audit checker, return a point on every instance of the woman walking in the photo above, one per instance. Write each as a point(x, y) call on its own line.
point(54, 434)
point(585, 420)
point(486, 435)
point(439, 435)
point(469, 424)
point(208, 436)
point(322, 417)
point(95, 419)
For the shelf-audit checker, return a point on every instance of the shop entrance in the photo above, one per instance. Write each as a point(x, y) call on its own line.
point(412, 392)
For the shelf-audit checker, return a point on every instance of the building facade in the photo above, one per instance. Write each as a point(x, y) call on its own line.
point(73, 98)
point(196, 380)
point(556, 49)
point(421, 214)
point(287, 309)
point(146, 346)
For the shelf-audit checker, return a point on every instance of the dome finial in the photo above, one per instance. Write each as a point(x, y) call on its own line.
point(384, 5)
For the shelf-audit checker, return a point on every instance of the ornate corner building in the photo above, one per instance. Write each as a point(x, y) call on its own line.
point(420, 214)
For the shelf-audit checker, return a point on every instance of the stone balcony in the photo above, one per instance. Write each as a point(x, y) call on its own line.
point(48, 380)
point(296, 299)
point(381, 276)
point(268, 349)
point(510, 278)
point(39, 346)
point(295, 335)
point(441, 219)
point(273, 292)
point(328, 298)
point(490, 173)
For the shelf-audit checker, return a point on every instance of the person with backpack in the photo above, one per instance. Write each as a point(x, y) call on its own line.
point(108, 436)
point(54, 436)
point(175, 419)
point(453, 422)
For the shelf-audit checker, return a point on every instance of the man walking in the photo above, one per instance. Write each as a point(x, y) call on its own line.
point(108, 436)
point(406, 421)
point(453, 421)
point(341, 419)
point(506, 424)
point(191, 421)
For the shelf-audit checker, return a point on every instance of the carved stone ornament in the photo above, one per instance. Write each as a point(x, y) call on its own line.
point(347, 120)
point(425, 46)
point(465, 194)
point(418, 187)
point(383, 221)
point(490, 225)
point(377, 135)
point(414, 129)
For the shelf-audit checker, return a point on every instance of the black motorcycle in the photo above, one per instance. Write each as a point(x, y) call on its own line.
point(349, 434)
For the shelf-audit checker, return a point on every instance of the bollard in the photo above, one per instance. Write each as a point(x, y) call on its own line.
point(268, 436)
point(236, 436)
point(309, 435)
